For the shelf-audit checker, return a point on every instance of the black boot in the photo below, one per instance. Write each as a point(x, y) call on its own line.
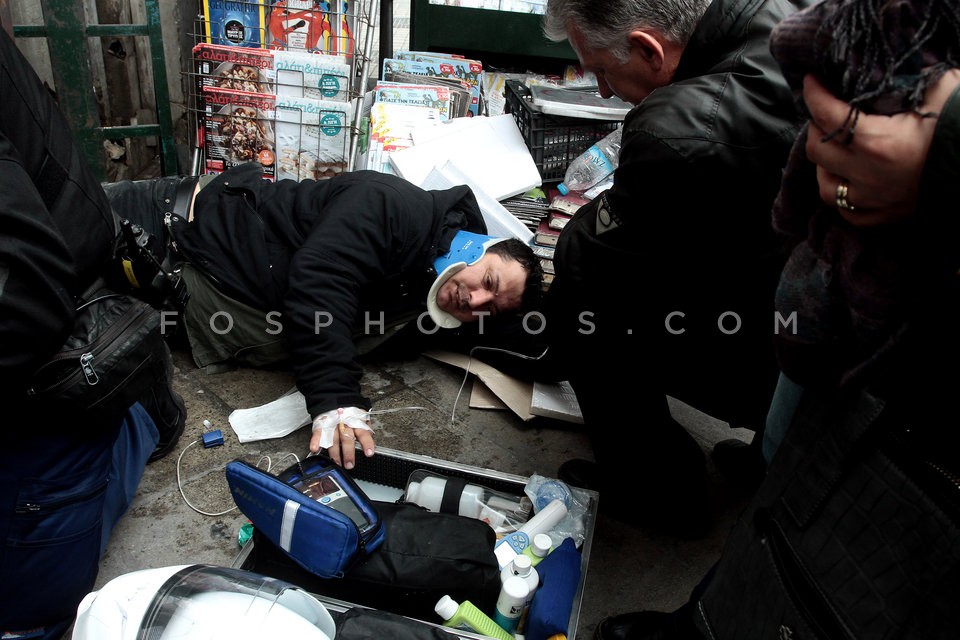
point(165, 406)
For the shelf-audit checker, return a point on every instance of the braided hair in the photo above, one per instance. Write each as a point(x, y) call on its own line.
point(878, 55)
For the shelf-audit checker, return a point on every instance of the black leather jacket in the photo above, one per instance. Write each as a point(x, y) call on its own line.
point(702, 157)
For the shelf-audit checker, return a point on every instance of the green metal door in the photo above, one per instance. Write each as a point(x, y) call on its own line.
point(66, 31)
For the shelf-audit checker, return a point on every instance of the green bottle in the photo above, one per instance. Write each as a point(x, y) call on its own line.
point(468, 617)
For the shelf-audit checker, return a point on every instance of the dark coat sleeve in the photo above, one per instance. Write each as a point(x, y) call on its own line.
point(365, 234)
point(36, 276)
point(56, 227)
point(940, 185)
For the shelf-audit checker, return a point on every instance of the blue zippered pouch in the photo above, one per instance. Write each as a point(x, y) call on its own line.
point(313, 511)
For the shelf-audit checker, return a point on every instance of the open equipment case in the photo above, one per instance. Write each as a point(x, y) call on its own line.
point(392, 468)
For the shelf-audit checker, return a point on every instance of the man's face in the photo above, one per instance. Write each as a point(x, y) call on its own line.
point(491, 284)
point(631, 81)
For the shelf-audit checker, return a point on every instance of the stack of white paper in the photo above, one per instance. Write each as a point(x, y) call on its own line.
point(490, 150)
point(500, 222)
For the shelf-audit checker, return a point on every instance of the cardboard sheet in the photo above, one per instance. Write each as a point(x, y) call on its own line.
point(515, 393)
point(481, 397)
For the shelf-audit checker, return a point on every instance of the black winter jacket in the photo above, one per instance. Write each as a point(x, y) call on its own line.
point(686, 227)
point(362, 242)
point(702, 157)
point(56, 227)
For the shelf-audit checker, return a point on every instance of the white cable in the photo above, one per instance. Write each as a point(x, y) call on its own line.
point(184, 496)
point(233, 508)
point(466, 373)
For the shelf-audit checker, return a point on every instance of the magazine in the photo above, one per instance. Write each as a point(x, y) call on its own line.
point(309, 75)
point(467, 71)
point(312, 137)
point(235, 23)
point(237, 127)
point(425, 95)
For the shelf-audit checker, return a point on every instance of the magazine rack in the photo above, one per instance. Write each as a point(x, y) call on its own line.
point(280, 82)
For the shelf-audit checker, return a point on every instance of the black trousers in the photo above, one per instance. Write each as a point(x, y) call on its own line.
point(147, 202)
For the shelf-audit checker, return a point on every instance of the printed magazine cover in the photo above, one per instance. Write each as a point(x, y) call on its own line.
point(234, 68)
point(310, 75)
point(237, 127)
point(312, 137)
point(293, 73)
point(426, 95)
point(237, 23)
point(466, 71)
point(313, 26)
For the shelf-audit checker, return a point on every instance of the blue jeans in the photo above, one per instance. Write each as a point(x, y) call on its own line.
point(63, 488)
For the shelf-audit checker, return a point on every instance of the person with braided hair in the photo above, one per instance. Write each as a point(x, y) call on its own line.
point(855, 531)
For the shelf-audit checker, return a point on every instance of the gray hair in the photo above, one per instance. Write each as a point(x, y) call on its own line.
point(605, 25)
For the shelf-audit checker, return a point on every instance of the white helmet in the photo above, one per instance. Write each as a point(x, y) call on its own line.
point(200, 602)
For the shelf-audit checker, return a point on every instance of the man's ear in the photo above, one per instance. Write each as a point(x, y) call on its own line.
point(648, 45)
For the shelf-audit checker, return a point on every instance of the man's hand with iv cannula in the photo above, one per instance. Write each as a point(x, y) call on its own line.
point(338, 430)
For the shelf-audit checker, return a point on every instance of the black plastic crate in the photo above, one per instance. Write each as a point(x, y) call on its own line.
point(553, 141)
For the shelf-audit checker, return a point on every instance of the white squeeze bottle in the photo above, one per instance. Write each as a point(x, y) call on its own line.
point(468, 617)
point(594, 164)
point(510, 604)
point(522, 567)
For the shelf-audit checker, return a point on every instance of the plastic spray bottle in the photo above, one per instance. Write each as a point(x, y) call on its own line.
point(594, 164)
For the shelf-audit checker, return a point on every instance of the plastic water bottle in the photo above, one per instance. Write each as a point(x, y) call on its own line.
point(468, 617)
point(594, 164)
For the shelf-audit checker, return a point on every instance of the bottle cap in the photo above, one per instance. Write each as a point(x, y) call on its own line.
point(562, 188)
point(522, 564)
point(446, 607)
point(541, 544)
point(515, 587)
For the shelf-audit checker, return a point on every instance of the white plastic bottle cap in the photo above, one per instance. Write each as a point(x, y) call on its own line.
point(515, 589)
point(522, 564)
point(541, 545)
point(446, 607)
